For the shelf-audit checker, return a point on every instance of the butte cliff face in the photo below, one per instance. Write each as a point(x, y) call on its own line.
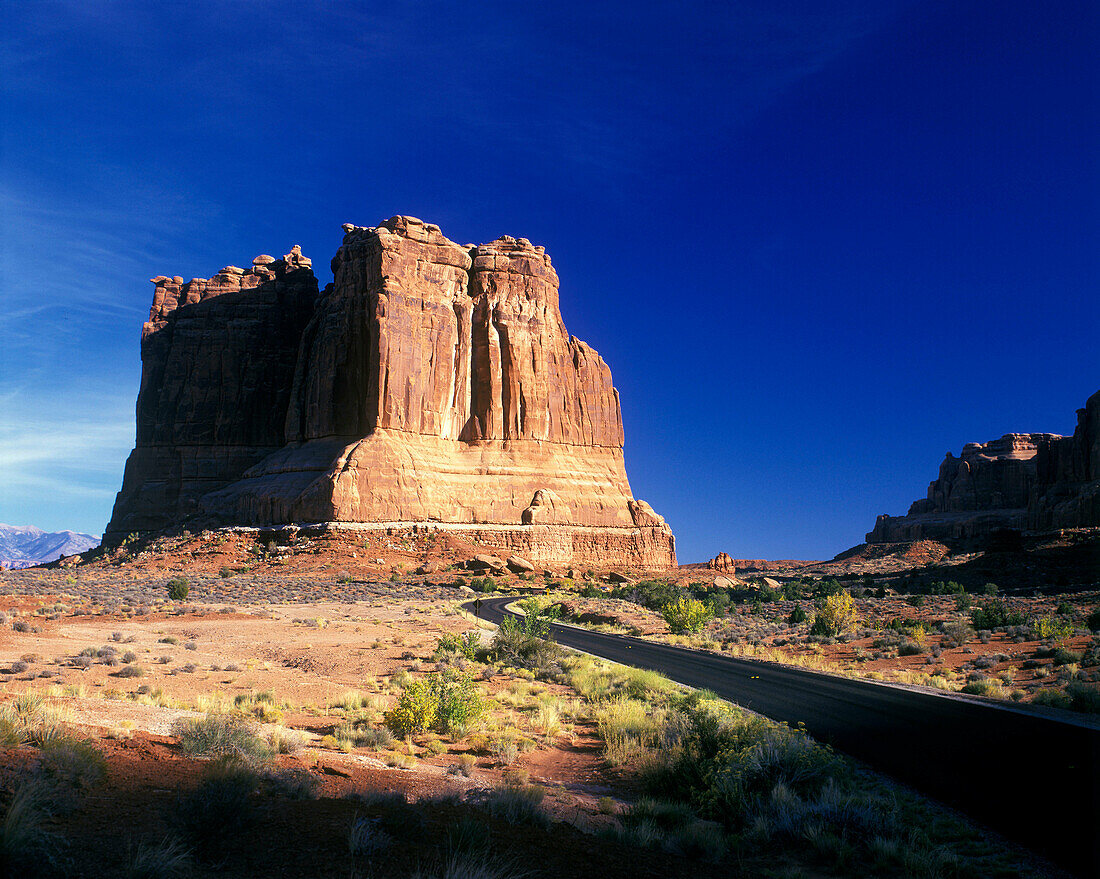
point(1022, 482)
point(430, 382)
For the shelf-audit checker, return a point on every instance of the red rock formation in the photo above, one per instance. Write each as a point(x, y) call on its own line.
point(722, 562)
point(1035, 481)
point(1067, 486)
point(217, 368)
point(436, 382)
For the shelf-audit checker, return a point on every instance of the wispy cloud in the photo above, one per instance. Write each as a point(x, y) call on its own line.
point(61, 459)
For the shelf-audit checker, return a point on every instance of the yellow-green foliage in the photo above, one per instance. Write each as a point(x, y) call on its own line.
point(1053, 628)
point(685, 615)
point(415, 710)
point(836, 615)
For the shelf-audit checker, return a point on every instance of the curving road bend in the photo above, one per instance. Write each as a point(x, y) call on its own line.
point(1033, 778)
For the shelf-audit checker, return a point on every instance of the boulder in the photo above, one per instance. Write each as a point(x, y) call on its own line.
point(486, 563)
point(519, 565)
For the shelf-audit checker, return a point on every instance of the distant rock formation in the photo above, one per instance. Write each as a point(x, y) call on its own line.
point(430, 382)
point(722, 562)
point(1021, 482)
point(24, 546)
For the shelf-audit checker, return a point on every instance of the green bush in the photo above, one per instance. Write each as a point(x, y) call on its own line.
point(460, 704)
point(798, 615)
point(993, 615)
point(467, 644)
point(1093, 620)
point(178, 587)
point(685, 615)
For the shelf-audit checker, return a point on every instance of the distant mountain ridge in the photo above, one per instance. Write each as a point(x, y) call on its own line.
point(23, 546)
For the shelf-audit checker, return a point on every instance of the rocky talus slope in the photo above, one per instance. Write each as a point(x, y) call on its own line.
point(430, 382)
point(1020, 482)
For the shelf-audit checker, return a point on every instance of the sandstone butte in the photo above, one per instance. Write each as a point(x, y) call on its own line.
point(429, 383)
point(1023, 482)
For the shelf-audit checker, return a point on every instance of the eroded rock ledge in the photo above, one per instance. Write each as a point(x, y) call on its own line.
point(430, 382)
point(1021, 482)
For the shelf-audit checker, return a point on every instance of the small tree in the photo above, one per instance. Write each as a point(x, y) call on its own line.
point(178, 587)
point(685, 615)
point(835, 615)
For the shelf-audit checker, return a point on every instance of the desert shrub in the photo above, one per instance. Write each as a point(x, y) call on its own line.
point(835, 615)
point(662, 814)
point(627, 728)
point(513, 646)
point(467, 644)
point(291, 784)
point(797, 616)
point(415, 710)
point(685, 615)
point(396, 816)
point(465, 765)
point(220, 735)
point(1093, 620)
point(167, 859)
point(1063, 656)
point(178, 588)
point(213, 815)
point(73, 761)
point(1052, 698)
point(1084, 697)
point(28, 846)
point(467, 835)
point(536, 619)
point(519, 805)
point(910, 648)
point(724, 763)
point(286, 741)
point(983, 687)
point(366, 838)
point(131, 671)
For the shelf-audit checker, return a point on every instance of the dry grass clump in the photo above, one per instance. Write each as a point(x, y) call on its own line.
point(221, 735)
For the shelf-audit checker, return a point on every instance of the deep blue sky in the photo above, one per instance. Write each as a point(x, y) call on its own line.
point(820, 244)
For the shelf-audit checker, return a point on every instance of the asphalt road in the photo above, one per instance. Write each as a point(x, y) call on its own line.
point(1033, 778)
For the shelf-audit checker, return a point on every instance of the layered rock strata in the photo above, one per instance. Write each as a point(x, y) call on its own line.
point(1021, 482)
point(431, 382)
